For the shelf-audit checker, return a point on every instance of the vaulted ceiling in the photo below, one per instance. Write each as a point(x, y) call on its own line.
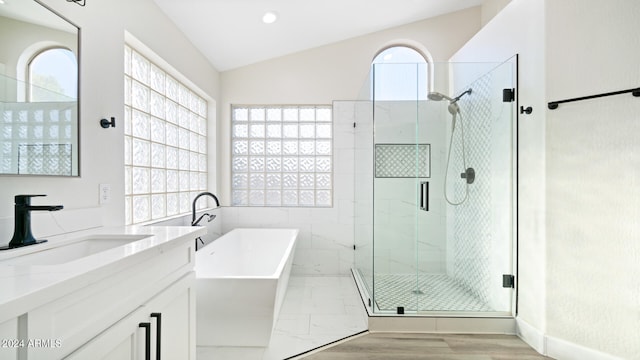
point(231, 33)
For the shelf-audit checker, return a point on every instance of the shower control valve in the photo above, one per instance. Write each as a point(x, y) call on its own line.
point(469, 175)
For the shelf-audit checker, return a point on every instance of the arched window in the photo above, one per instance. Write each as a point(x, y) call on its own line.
point(53, 76)
point(399, 73)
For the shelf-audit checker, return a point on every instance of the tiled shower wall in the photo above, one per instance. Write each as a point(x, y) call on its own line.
point(397, 218)
point(479, 239)
point(470, 241)
point(408, 240)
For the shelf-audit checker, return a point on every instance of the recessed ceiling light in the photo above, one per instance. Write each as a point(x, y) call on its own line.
point(269, 17)
point(1, 2)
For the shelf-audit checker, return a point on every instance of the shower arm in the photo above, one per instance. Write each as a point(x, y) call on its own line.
point(468, 91)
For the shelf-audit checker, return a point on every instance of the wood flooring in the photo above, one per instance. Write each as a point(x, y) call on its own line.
point(395, 346)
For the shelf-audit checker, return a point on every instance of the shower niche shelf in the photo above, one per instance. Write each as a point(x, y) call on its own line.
point(402, 160)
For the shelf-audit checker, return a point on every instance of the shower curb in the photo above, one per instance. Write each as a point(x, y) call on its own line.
point(437, 322)
point(443, 324)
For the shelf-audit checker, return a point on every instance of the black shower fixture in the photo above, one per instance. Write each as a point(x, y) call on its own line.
point(469, 175)
point(468, 91)
point(436, 96)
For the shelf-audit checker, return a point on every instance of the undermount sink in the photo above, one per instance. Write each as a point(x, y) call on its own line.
point(75, 250)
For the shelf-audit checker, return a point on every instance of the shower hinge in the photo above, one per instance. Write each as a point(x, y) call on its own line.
point(508, 281)
point(508, 95)
point(354, 124)
point(354, 247)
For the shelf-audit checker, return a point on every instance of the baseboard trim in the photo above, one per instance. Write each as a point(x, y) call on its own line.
point(555, 347)
point(562, 349)
point(531, 335)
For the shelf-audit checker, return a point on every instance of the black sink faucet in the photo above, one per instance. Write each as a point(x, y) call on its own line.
point(22, 235)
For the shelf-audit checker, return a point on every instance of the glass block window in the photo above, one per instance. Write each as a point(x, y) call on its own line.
point(281, 156)
point(165, 143)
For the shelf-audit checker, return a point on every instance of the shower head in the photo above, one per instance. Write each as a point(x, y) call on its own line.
point(453, 106)
point(436, 96)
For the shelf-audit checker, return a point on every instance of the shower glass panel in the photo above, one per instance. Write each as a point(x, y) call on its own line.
point(434, 186)
point(400, 162)
point(361, 112)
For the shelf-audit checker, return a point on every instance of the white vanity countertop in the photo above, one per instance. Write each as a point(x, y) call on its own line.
point(25, 287)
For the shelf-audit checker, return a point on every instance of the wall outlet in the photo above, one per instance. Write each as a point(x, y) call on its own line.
point(105, 193)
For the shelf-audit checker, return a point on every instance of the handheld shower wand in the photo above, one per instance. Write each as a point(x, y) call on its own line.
point(454, 110)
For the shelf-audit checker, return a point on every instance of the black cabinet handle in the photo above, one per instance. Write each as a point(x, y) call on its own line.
point(147, 339)
point(158, 317)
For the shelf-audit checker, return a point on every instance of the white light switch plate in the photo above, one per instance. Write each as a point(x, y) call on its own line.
point(105, 193)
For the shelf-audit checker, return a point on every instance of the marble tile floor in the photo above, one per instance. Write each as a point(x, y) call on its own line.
point(399, 346)
point(317, 310)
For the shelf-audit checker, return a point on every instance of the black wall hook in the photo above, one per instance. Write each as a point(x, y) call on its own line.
point(528, 110)
point(107, 124)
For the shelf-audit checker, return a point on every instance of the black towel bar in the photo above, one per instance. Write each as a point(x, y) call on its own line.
point(554, 104)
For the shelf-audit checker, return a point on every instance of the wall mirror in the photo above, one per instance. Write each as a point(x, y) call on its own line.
point(38, 91)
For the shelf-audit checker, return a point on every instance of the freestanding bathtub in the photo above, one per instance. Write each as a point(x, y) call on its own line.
point(241, 280)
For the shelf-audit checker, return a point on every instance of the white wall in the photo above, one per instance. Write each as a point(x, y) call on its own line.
point(593, 157)
point(578, 204)
point(491, 8)
point(103, 25)
point(519, 29)
point(319, 76)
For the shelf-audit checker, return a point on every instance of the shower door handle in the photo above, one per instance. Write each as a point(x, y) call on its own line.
point(424, 196)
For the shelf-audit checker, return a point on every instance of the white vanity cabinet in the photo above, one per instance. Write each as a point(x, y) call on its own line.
point(170, 317)
point(9, 339)
point(101, 317)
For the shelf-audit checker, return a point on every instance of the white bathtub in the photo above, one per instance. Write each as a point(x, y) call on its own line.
point(241, 279)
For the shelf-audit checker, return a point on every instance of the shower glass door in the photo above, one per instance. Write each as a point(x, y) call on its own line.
point(465, 240)
point(401, 161)
point(427, 240)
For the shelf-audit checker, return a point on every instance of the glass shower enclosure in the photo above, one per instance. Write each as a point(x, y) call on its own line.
point(434, 189)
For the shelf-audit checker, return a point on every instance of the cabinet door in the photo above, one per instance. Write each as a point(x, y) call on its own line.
point(174, 309)
point(170, 314)
point(125, 340)
point(10, 343)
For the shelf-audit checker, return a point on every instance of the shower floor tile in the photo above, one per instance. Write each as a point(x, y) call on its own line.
point(317, 310)
point(436, 292)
